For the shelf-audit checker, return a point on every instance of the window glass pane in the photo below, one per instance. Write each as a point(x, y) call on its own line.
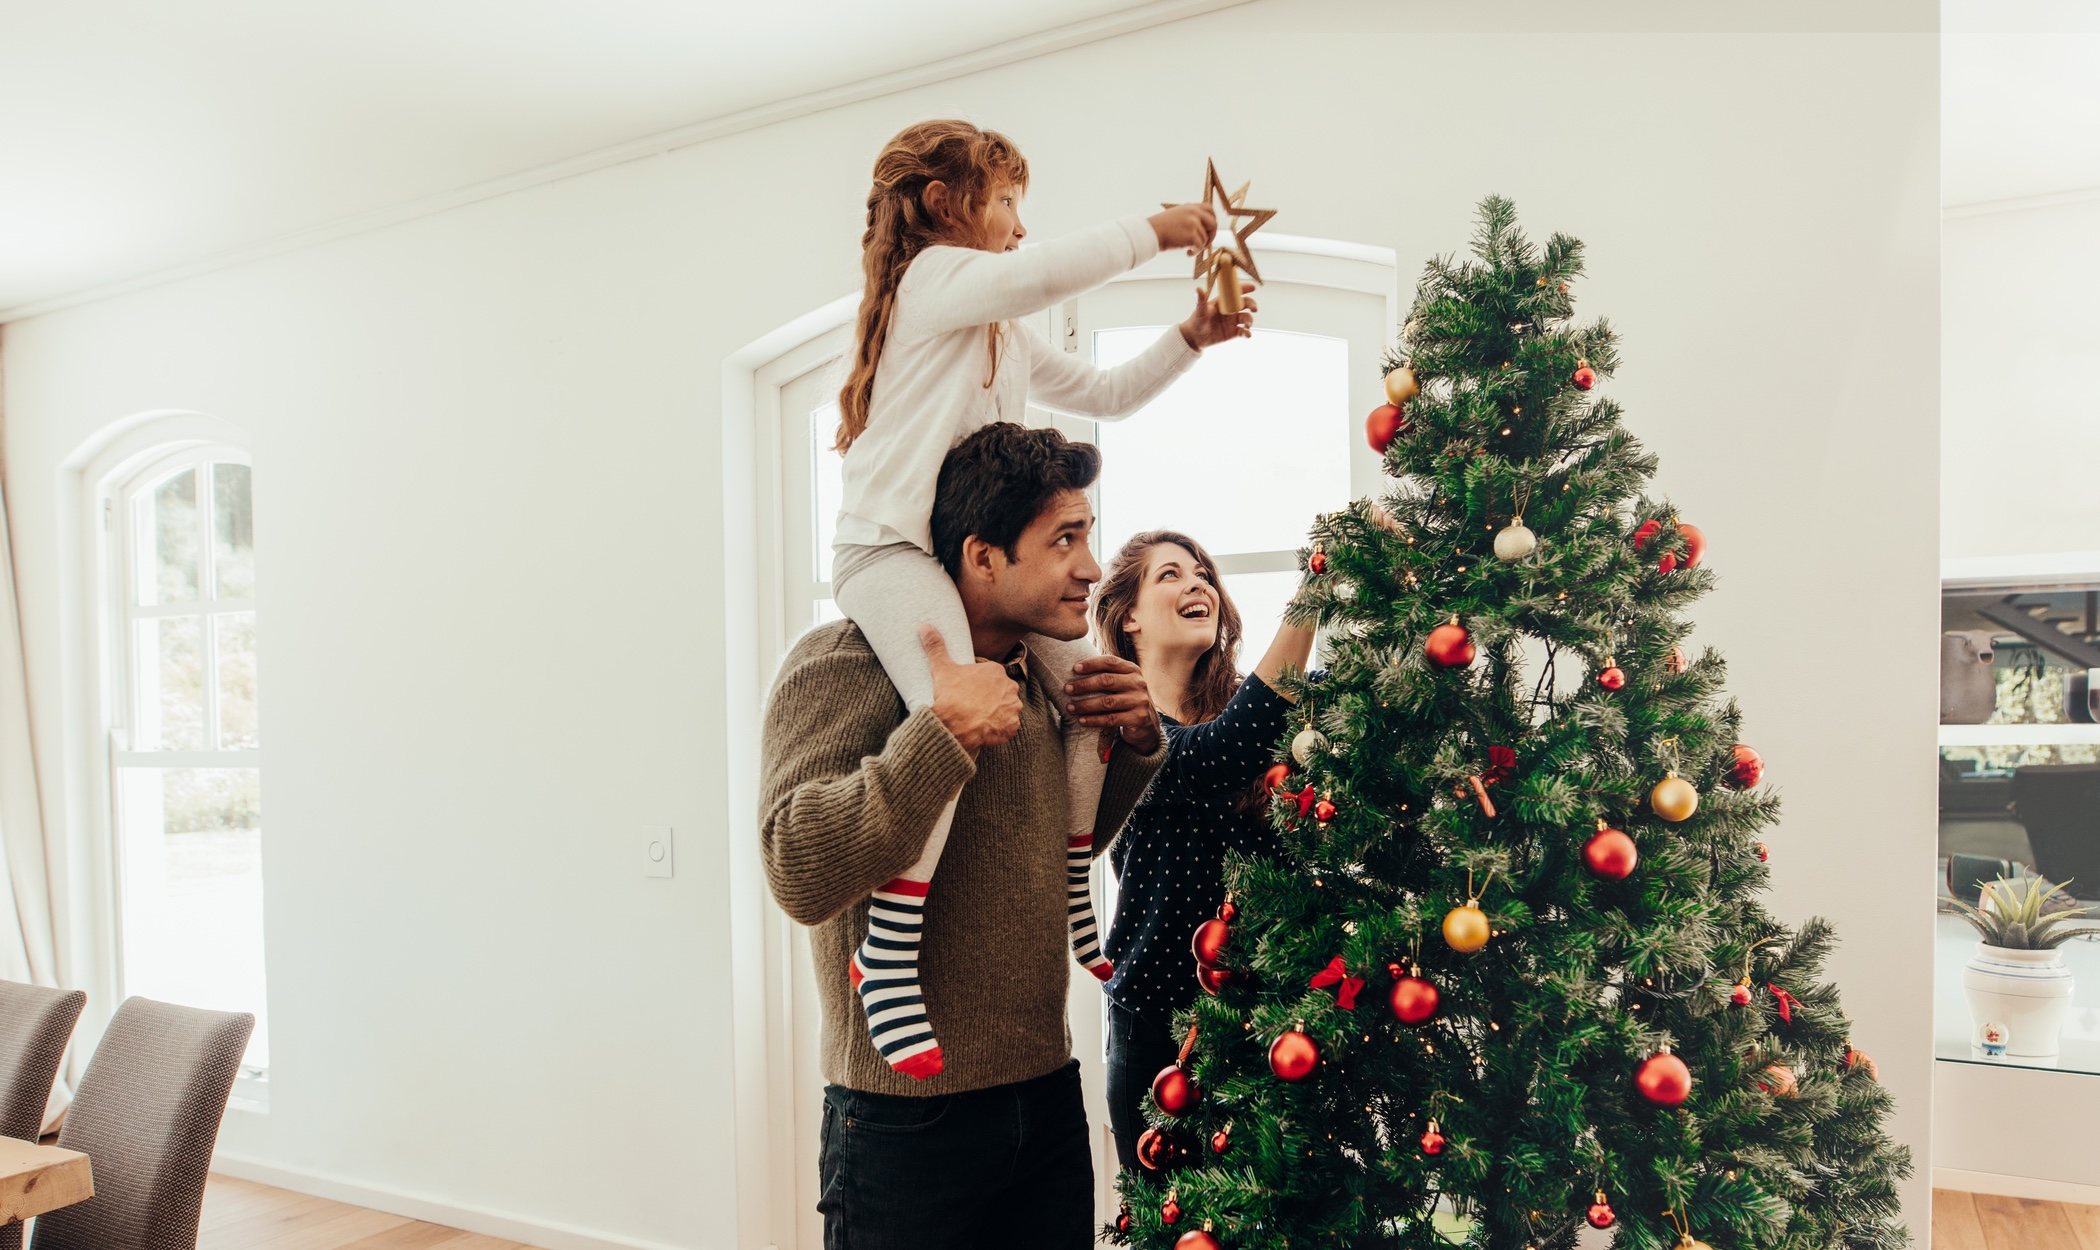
point(1261, 598)
point(232, 531)
point(168, 559)
point(828, 487)
point(170, 695)
point(1241, 453)
point(236, 655)
point(193, 921)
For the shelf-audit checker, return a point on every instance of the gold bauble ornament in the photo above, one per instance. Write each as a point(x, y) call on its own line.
point(1466, 928)
point(1400, 386)
point(1674, 799)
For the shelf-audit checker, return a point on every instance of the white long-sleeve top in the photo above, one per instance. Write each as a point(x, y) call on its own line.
point(930, 390)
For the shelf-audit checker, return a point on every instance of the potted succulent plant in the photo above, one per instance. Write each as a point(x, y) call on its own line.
point(2017, 983)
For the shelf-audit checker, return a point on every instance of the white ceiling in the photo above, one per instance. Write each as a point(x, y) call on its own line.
point(141, 135)
point(2019, 99)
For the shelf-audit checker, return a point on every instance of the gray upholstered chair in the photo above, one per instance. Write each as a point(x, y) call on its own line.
point(35, 1025)
point(147, 1115)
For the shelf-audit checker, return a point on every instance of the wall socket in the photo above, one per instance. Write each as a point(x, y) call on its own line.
point(656, 850)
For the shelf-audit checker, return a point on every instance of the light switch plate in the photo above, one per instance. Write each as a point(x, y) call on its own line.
point(656, 850)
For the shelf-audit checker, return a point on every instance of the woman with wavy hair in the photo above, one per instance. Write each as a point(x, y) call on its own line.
point(1162, 607)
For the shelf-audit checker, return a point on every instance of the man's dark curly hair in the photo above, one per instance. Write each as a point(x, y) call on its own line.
point(999, 480)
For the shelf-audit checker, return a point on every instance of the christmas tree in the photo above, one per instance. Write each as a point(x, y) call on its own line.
point(1511, 979)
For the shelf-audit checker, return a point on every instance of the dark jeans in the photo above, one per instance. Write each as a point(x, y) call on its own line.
point(1138, 1047)
point(1008, 1166)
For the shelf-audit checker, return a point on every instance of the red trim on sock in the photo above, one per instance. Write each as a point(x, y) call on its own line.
point(903, 885)
point(925, 1064)
point(1084, 839)
point(1103, 970)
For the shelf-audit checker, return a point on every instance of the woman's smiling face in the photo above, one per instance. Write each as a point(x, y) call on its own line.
point(1177, 602)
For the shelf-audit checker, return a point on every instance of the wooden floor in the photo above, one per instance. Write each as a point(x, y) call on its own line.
point(1962, 1221)
point(242, 1215)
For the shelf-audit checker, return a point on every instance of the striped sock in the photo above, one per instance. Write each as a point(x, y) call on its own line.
point(1079, 906)
point(885, 972)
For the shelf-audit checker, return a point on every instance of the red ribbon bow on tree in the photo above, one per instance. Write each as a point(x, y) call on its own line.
point(1787, 1002)
point(1336, 973)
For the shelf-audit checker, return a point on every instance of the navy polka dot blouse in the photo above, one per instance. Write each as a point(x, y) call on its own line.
point(1169, 860)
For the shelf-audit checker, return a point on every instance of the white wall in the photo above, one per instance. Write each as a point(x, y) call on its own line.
point(2020, 468)
point(2020, 439)
point(490, 516)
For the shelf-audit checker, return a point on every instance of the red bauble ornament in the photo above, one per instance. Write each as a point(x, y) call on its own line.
point(1747, 771)
point(1158, 1150)
point(1450, 646)
point(1610, 854)
point(1432, 1141)
point(1764, 853)
point(1228, 911)
point(1123, 1221)
point(1294, 1056)
point(1174, 1092)
point(1740, 995)
point(1663, 1079)
point(1170, 1212)
point(1317, 562)
point(1155, 1150)
point(1212, 980)
point(1221, 1141)
point(1612, 678)
point(1600, 1215)
point(1324, 811)
point(1585, 377)
point(1273, 780)
point(1694, 545)
point(1209, 942)
point(1385, 424)
point(1199, 1239)
point(1414, 999)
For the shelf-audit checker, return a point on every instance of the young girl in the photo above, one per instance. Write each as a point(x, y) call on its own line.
point(939, 351)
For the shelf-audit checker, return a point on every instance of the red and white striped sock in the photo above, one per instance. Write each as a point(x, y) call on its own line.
point(1079, 906)
point(885, 974)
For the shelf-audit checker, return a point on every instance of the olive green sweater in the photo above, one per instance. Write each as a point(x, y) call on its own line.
point(849, 792)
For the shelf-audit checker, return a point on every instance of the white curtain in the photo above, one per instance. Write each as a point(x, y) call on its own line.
point(27, 938)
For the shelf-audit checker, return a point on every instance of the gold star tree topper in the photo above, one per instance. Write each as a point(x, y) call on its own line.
point(1227, 255)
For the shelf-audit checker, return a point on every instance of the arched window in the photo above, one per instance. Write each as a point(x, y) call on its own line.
point(186, 734)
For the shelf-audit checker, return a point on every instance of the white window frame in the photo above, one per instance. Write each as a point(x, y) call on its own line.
point(93, 597)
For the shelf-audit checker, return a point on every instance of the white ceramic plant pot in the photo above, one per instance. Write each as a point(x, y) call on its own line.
point(2023, 992)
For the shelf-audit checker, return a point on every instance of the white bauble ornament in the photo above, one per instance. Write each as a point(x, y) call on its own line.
point(1308, 743)
point(1515, 542)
